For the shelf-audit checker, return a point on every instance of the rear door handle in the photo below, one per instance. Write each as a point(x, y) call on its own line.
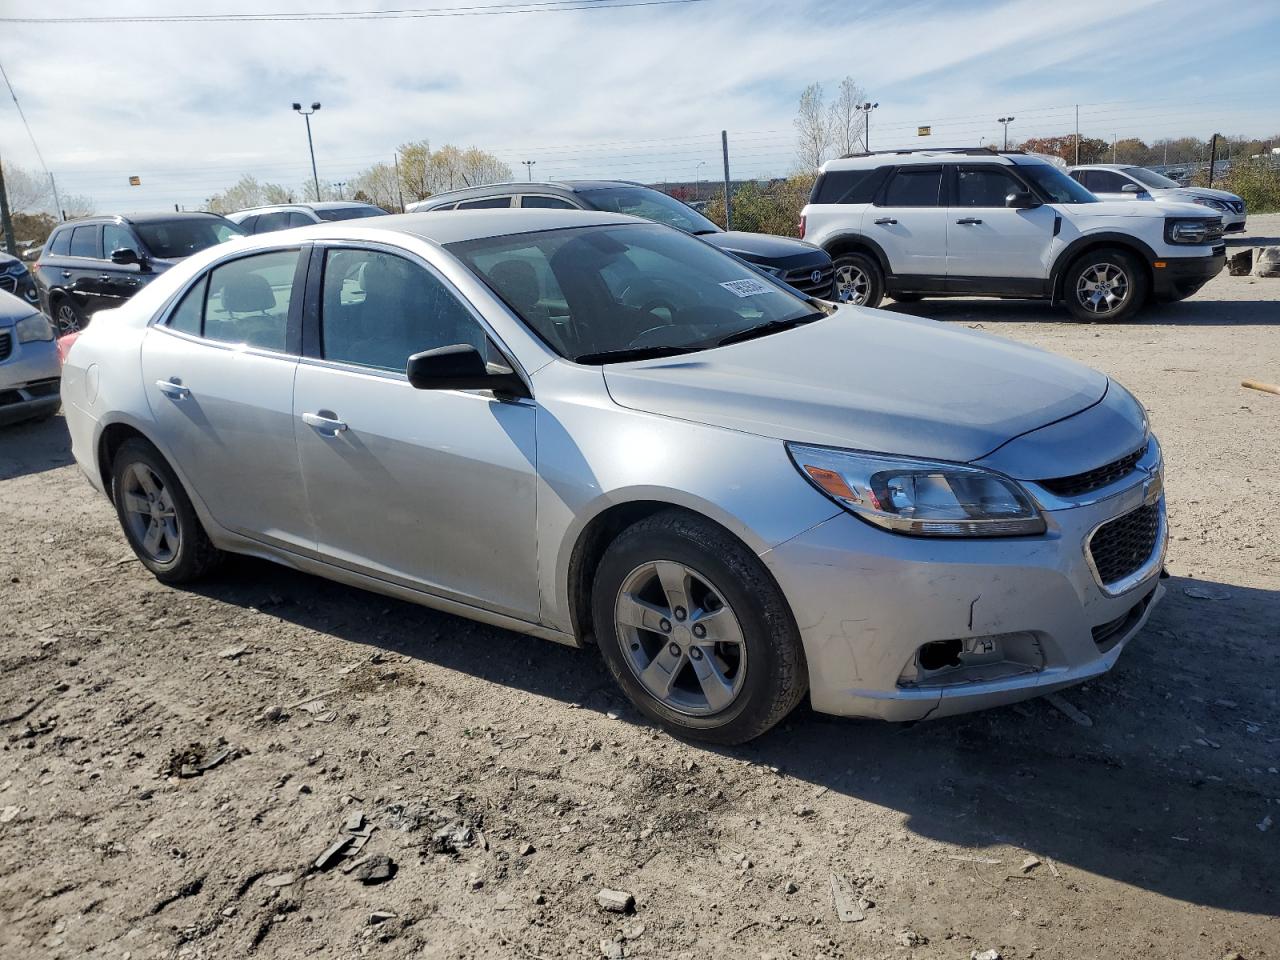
point(173, 390)
point(66, 274)
point(968, 220)
point(324, 423)
point(884, 220)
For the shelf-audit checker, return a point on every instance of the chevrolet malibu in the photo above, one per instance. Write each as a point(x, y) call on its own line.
point(598, 430)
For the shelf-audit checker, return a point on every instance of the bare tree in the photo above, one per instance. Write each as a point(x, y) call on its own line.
point(813, 135)
point(378, 185)
point(415, 170)
point(844, 121)
point(28, 192)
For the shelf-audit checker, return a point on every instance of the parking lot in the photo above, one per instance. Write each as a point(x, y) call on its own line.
point(175, 761)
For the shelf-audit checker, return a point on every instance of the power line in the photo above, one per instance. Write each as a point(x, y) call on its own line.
point(14, 95)
point(415, 13)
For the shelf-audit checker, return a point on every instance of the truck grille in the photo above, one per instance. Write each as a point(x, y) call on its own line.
point(802, 279)
point(6, 345)
point(1081, 483)
point(1121, 546)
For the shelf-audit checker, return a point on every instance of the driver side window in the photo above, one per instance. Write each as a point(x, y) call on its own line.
point(378, 309)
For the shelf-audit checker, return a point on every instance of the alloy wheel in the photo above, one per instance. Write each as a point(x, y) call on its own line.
point(1102, 288)
point(852, 284)
point(66, 319)
point(680, 638)
point(150, 513)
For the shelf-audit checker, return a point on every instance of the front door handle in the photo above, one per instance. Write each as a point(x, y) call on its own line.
point(884, 220)
point(173, 390)
point(322, 422)
point(968, 220)
point(66, 274)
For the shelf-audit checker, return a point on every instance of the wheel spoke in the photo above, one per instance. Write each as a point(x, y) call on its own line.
point(716, 687)
point(675, 584)
point(146, 480)
point(151, 542)
point(635, 612)
point(660, 676)
point(136, 503)
point(720, 625)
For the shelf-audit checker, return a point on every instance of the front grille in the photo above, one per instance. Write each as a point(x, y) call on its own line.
point(802, 279)
point(1237, 206)
point(1214, 231)
point(1121, 546)
point(1079, 484)
point(9, 283)
point(6, 345)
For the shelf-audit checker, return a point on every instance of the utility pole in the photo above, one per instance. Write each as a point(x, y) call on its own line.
point(1113, 148)
point(57, 202)
point(1006, 121)
point(728, 199)
point(395, 161)
point(697, 180)
point(528, 168)
point(1077, 135)
point(10, 241)
point(306, 115)
point(1213, 156)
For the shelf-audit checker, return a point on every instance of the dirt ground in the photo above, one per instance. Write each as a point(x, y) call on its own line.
point(509, 783)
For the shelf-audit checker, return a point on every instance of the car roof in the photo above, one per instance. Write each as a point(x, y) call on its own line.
point(456, 226)
point(885, 158)
point(322, 205)
point(1103, 166)
point(512, 187)
point(152, 217)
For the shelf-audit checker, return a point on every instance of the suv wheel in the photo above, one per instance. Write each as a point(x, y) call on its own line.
point(1105, 285)
point(859, 280)
point(695, 631)
point(67, 317)
point(157, 517)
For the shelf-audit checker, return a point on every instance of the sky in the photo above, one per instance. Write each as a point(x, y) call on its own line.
point(639, 92)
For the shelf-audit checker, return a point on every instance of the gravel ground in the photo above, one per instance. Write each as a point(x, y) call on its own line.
point(173, 762)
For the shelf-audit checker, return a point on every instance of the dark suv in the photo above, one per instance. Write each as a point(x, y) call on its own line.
point(100, 262)
point(798, 264)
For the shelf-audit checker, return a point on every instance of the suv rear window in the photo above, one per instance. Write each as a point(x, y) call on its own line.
point(60, 244)
point(913, 187)
point(848, 186)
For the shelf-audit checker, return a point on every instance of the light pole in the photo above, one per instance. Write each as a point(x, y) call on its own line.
point(1006, 121)
point(528, 168)
point(697, 180)
point(306, 115)
point(865, 109)
point(340, 184)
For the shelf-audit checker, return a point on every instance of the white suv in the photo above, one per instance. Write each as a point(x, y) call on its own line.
point(973, 222)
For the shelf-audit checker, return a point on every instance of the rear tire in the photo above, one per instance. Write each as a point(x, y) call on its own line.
point(696, 631)
point(1105, 286)
point(157, 516)
point(67, 317)
point(859, 280)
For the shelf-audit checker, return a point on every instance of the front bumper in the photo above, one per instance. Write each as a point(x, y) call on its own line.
point(1180, 277)
point(1030, 608)
point(23, 287)
point(29, 380)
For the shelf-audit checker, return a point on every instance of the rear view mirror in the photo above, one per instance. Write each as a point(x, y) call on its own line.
point(1021, 200)
point(461, 367)
point(125, 256)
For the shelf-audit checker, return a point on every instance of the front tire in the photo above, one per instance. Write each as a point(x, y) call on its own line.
point(1105, 286)
point(157, 516)
point(695, 630)
point(859, 280)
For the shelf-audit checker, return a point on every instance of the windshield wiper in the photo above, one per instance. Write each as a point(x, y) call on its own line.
point(634, 353)
point(772, 326)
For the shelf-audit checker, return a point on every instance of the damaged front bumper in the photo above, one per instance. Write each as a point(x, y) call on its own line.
point(905, 628)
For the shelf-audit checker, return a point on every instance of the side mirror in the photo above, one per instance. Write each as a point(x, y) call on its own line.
point(1131, 188)
point(125, 256)
point(1021, 200)
point(461, 367)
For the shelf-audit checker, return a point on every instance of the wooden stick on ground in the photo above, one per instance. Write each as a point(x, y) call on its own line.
point(1259, 385)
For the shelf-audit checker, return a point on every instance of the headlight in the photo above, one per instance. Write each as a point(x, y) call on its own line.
point(1191, 231)
point(1209, 202)
point(34, 327)
point(16, 267)
point(920, 497)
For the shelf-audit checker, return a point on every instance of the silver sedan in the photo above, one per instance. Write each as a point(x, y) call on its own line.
point(598, 430)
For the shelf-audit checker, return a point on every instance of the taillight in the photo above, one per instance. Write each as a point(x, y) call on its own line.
point(802, 226)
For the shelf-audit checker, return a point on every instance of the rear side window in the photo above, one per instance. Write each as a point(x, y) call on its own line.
point(85, 242)
point(248, 224)
point(546, 203)
point(914, 187)
point(848, 186)
point(60, 245)
point(248, 300)
point(268, 222)
point(484, 203)
point(299, 219)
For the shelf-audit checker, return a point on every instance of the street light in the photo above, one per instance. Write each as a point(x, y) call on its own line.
point(528, 167)
point(340, 184)
point(1006, 121)
point(865, 109)
point(306, 114)
point(697, 180)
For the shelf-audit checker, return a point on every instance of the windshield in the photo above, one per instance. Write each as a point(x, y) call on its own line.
point(1059, 187)
point(1150, 178)
point(603, 294)
point(175, 239)
point(350, 213)
point(650, 204)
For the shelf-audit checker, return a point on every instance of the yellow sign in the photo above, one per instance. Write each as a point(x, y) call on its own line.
point(923, 131)
point(135, 181)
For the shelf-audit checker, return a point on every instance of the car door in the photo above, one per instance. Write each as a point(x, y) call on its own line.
point(909, 223)
point(218, 372)
point(80, 271)
point(432, 489)
point(987, 240)
point(120, 281)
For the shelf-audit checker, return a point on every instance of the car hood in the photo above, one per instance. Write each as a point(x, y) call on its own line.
point(867, 380)
point(1127, 208)
point(1188, 193)
point(764, 246)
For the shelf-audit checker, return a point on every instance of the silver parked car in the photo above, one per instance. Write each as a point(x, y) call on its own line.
point(29, 364)
point(591, 428)
point(1112, 181)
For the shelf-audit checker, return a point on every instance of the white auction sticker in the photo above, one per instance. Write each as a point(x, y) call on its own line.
point(748, 287)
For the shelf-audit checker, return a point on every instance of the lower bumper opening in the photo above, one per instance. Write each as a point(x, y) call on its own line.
point(945, 663)
point(1107, 635)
